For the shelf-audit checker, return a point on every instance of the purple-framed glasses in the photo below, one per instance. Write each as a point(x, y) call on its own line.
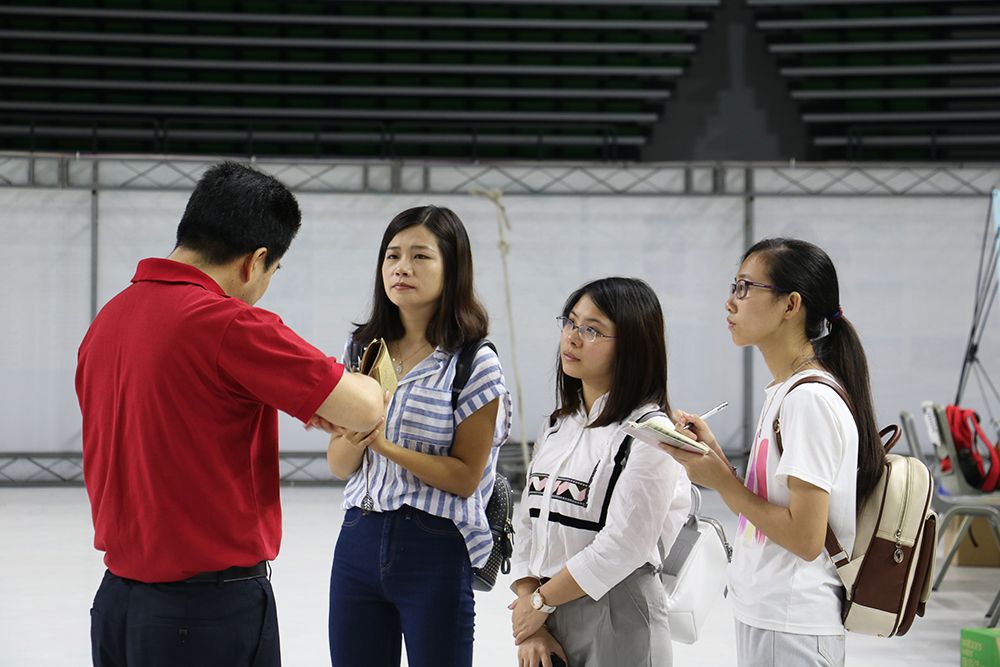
point(741, 287)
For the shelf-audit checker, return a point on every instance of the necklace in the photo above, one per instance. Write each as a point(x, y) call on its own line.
point(802, 364)
point(777, 390)
point(399, 362)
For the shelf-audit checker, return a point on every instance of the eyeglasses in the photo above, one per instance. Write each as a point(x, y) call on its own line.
point(742, 287)
point(587, 334)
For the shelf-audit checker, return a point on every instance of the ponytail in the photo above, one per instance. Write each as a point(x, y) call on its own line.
point(841, 353)
point(799, 266)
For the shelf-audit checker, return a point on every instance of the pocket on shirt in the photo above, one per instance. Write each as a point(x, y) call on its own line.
point(427, 418)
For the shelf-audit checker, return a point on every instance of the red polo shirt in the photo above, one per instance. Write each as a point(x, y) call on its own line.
point(179, 386)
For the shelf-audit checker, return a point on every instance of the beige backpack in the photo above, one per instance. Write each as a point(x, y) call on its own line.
point(887, 578)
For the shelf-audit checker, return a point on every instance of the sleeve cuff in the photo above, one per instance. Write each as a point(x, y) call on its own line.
point(808, 477)
point(322, 390)
point(474, 403)
point(518, 571)
point(586, 577)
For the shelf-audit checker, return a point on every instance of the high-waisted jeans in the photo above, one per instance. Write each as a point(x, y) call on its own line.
point(398, 575)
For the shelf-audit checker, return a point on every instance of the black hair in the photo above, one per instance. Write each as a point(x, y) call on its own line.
point(639, 372)
point(234, 210)
point(460, 318)
point(800, 266)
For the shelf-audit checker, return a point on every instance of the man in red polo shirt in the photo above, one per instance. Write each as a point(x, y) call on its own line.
point(179, 380)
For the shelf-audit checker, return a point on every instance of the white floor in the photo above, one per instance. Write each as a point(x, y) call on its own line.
point(51, 572)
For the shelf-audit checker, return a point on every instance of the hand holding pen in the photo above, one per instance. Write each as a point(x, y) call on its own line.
point(696, 423)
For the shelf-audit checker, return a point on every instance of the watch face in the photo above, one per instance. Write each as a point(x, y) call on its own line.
point(536, 600)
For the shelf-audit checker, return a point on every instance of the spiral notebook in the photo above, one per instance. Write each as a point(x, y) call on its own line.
point(658, 430)
point(377, 363)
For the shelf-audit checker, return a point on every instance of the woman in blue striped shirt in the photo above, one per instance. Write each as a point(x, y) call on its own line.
point(418, 484)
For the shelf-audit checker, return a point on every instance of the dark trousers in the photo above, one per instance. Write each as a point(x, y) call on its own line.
point(402, 574)
point(216, 625)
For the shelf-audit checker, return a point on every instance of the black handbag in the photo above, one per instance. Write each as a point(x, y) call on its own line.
point(499, 514)
point(500, 507)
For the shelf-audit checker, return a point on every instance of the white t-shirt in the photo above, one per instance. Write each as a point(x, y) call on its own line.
point(770, 587)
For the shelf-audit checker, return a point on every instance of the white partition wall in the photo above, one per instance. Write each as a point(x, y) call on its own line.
point(684, 248)
point(905, 242)
point(907, 270)
point(45, 245)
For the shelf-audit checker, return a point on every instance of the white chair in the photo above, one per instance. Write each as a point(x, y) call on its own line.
point(961, 498)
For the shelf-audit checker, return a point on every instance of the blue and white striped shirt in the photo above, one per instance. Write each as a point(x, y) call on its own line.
point(420, 418)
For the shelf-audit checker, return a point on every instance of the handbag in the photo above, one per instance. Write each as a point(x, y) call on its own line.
point(499, 515)
point(694, 572)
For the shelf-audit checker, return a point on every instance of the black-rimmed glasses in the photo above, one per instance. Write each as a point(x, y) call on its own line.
point(742, 287)
point(587, 334)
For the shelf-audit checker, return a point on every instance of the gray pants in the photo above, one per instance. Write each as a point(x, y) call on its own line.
point(625, 628)
point(768, 648)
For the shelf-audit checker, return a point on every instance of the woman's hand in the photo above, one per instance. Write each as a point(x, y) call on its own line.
point(525, 619)
point(359, 440)
point(537, 650)
point(318, 422)
point(696, 428)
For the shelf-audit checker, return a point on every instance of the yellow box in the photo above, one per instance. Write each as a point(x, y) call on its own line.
point(986, 551)
point(980, 647)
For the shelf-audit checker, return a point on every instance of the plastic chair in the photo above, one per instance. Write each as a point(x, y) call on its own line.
point(917, 451)
point(961, 498)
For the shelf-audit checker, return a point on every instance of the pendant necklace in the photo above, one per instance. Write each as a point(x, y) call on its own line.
point(399, 362)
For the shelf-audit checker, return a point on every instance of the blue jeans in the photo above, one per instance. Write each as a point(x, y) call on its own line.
point(232, 624)
point(401, 574)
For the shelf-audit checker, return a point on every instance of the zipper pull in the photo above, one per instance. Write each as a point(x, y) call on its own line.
point(898, 553)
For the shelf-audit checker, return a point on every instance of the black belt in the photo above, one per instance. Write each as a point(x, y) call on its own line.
point(229, 574)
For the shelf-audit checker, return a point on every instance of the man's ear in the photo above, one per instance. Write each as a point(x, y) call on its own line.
point(251, 261)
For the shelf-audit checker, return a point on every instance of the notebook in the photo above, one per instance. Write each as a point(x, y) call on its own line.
point(658, 429)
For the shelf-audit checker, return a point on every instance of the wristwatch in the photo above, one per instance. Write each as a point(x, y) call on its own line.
point(538, 602)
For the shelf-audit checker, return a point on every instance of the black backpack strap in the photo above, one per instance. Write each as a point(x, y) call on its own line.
point(463, 367)
point(626, 447)
point(620, 460)
point(354, 354)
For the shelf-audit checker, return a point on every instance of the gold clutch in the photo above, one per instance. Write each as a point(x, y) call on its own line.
point(377, 363)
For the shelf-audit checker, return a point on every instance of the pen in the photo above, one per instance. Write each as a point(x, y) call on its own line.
point(718, 408)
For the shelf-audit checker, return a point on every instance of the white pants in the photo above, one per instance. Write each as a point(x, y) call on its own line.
point(768, 648)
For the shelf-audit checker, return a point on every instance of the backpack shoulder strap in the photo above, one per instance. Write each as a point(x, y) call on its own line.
point(837, 553)
point(811, 379)
point(354, 354)
point(463, 367)
point(626, 447)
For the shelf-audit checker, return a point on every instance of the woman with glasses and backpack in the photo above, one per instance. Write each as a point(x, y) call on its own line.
point(596, 505)
point(418, 484)
point(810, 469)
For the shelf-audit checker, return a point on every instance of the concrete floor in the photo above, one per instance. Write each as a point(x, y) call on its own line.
point(51, 572)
